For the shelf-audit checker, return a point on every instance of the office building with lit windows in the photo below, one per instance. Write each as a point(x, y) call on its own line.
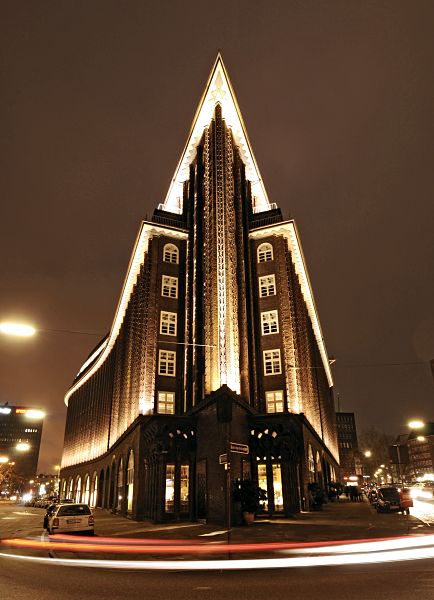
point(216, 340)
point(349, 455)
point(20, 438)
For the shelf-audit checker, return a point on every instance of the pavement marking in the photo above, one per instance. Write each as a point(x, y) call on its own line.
point(142, 530)
point(202, 587)
point(213, 533)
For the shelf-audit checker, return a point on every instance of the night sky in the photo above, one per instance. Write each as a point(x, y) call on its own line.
point(97, 98)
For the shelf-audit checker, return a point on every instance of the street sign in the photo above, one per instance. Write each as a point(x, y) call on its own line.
point(239, 448)
point(223, 459)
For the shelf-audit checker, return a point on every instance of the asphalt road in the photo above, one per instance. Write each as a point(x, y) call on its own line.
point(28, 581)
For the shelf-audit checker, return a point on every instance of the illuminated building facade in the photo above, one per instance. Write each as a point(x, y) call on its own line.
point(216, 339)
point(20, 438)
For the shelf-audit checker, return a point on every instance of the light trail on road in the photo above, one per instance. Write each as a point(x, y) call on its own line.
point(332, 553)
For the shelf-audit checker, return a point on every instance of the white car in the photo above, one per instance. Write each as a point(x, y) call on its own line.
point(70, 518)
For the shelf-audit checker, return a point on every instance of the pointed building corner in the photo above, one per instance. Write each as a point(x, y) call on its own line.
point(218, 90)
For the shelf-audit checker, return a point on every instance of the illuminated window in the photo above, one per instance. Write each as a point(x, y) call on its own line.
point(120, 485)
point(86, 491)
point(78, 490)
point(277, 487)
point(166, 403)
point(166, 362)
point(262, 482)
point(184, 488)
point(130, 481)
point(310, 463)
point(169, 287)
point(168, 323)
point(267, 286)
point(171, 253)
point(272, 365)
point(269, 322)
point(94, 492)
point(169, 504)
point(274, 401)
point(70, 489)
point(265, 253)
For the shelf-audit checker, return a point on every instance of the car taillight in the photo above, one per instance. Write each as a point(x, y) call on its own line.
point(55, 522)
point(91, 520)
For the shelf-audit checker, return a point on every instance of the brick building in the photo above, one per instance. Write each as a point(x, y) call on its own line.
point(216, 339)
point(349, 455)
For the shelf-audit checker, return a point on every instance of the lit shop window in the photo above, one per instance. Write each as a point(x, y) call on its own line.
point(265, 253)
point(166, 403)
point(262, 482)
point(130, 481)
point(184, 493)
point(274, 401)
point(166, 362)
point(272, 365)
point(86, 491)
point(170, 488)
point(267, 286)
point(171, 254)
point(269, 322)
point(169, 287)
point(167, 323)
point(277, 487)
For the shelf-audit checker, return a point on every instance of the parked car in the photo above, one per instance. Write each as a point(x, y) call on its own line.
point(388, 499)
point(69, 518)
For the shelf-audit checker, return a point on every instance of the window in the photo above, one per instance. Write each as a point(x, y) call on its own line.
point(169, 504)
point(274, 401)
point(86, 491)
point(169, 287)
point(166, 362)
point(166, 403)
point(168, 323)
point(265, 253)
point(171, 254)
point(130, 481)
point(120, 484)
point(184, 495)
point(267, 286)
point(269, 322)
point(272, 364)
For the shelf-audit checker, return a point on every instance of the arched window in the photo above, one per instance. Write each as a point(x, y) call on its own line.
point(94, 490)
point(171, 254)
point(130, 481)
point(265, 252)
point(78, 489)
point(120, 484)
point(86, 491)
point(63, 492)
point(70, 489)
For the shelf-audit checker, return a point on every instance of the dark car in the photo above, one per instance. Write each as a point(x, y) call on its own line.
point(388, 499)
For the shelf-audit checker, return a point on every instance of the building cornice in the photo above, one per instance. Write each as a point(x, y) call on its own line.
point(288, 230)
point(146, 232)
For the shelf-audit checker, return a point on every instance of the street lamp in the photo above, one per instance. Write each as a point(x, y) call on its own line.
point(22, 446)
point(368, 454)
point(17, 329)
point(416, 424)
point(4, 459)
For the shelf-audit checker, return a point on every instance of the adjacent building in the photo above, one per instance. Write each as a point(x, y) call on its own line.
point(349, 456)
point(20, 438)
point(421, 452)
point(215, 366)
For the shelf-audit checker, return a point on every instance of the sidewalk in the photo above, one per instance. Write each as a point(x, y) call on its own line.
point(339, 520)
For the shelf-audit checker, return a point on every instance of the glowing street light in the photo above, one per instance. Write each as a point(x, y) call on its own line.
point(4, 459)
point(368, 454)
point(421, 438)
point(33, 413)
point(416, 424)
point(22, 447)
point(17, 329)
